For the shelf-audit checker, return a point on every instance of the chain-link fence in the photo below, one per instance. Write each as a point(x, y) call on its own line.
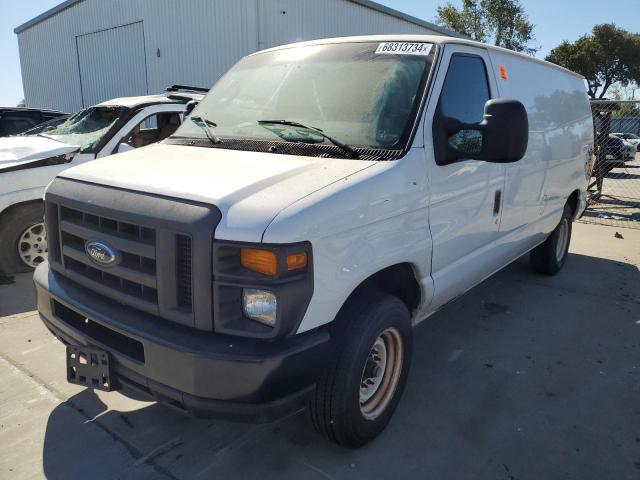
point(615, 186)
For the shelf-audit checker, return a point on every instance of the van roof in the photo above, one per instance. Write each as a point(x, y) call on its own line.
point(436, 39)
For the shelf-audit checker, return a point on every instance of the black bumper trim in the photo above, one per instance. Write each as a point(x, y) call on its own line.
point(201, 372)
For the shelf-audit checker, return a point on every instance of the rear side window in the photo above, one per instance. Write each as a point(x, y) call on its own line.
point(465, 90)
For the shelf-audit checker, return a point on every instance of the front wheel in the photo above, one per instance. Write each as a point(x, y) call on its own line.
point(549, 257)
point(23, 240)
point(364, 379)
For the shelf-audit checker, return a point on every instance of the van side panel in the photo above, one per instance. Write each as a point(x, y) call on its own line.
point(560, 136)
point(371, 220)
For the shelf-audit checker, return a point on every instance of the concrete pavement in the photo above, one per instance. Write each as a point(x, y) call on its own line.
point(525, 377)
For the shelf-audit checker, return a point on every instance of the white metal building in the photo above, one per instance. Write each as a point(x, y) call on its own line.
point(86, 51)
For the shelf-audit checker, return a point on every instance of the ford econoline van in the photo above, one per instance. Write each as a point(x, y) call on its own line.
point(324, 198)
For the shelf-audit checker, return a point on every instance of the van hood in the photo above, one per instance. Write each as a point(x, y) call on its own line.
point(17, 152)
point(249, 188)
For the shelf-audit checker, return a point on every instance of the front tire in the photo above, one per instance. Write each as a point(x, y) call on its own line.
point(549, 257)
point(363, 382)
point(23, 241)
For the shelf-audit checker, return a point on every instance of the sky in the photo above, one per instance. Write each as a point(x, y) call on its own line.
point(555, 20)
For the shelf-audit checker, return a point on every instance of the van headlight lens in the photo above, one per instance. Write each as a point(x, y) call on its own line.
point(260, 305)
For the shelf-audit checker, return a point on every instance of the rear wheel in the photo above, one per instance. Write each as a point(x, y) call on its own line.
point(363, 382)
point(549, 257)
point(23, 239)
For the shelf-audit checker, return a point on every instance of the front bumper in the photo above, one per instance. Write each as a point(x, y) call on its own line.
point(204, 373)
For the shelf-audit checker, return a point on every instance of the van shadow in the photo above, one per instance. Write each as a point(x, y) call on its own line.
point(503, 377)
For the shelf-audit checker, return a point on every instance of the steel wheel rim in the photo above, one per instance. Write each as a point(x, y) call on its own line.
point(381, 373)
point(32, 245)
point(563, 238)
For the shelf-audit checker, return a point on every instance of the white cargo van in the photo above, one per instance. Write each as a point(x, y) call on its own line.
point(324, 198)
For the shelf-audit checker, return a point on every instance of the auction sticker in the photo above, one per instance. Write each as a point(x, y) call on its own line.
point(404, 48)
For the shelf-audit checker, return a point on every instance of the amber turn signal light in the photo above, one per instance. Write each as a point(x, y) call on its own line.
point(296, 261)
point(260, 261)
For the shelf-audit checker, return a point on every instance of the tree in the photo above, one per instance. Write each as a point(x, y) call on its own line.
point(626, 96)
point(22, 103)
point(610, 55)
point(501, 22)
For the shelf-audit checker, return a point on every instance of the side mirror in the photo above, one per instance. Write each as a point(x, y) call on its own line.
point(502, 137)
point(189, 107)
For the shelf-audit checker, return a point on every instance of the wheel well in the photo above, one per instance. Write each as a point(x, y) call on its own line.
point(572, 201)
point(398, 280)
point(15, 206)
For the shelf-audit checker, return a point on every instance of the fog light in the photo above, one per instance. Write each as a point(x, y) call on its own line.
point(260, 305)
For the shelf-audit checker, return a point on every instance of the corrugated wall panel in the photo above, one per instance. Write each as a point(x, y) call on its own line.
point(287, 21)
point(187, 41)
point(112, 63)
point(48, 53)
point(198, 41)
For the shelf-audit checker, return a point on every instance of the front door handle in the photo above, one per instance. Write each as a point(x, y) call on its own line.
point(497, 200)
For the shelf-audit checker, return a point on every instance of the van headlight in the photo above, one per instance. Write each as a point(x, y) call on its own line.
point(260, 290)
point(260, 305)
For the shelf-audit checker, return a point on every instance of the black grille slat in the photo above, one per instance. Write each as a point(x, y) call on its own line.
point(128, 245)
point(111, 285)
point(142, 278)
point(183, 272)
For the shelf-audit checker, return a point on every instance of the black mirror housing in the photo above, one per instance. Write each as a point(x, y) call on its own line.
point(504, 130)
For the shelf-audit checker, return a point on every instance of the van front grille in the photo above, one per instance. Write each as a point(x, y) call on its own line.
point(134, 274)
point(133, 279)
point(154, 240)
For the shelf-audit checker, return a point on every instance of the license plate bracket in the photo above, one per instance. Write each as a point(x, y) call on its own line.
point(89, 367)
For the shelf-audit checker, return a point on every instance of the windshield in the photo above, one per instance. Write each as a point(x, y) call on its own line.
point(86, 128)
point(355, 93)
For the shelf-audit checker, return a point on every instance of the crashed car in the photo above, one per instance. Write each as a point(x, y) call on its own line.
point(28, 163)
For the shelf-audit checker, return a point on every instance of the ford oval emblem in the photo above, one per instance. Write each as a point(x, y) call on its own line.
point(100, 253)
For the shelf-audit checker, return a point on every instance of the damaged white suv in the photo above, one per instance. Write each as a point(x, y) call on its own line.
point(29, 162)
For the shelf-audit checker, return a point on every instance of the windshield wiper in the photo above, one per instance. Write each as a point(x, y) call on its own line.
point(344, 147)
point(207, 126)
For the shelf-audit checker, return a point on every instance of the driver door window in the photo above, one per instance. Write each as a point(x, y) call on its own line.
point(464, 94)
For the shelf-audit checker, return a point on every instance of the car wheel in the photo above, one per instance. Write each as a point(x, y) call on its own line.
point(550, 256)
point(364, 379)
point(23, 239)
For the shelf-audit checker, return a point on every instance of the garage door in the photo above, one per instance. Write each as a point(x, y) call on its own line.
point(112, 63)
